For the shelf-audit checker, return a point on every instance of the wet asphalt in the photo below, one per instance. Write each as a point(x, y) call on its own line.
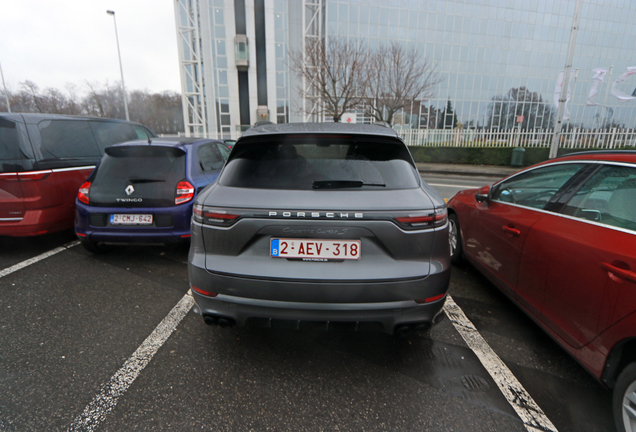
point(69, 322)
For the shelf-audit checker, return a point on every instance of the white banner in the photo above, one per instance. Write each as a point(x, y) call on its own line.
point(557, 93)
point(623, 97)
point(597, 79)
point(348, 118)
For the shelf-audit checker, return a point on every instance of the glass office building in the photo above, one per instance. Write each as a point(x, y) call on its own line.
point(491, 54)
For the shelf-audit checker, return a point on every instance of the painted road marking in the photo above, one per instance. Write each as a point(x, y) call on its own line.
point(26, 263)
point(104, 402)
point(531, 415)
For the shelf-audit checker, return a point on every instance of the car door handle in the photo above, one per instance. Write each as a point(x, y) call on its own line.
point(511, 231)
point(619, 272)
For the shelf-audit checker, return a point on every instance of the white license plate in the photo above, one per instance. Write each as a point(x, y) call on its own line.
point(315, 249)
point(131, 219)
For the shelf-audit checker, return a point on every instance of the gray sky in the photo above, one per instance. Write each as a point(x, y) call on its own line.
point(57, 42)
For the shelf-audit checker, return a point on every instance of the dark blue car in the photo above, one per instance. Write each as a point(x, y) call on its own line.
point(143, 191)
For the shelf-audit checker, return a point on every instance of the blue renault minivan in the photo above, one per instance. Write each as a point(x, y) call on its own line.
point(142, 191)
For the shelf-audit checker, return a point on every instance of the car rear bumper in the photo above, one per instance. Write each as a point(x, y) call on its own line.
point(177, 231)
point(385, 315)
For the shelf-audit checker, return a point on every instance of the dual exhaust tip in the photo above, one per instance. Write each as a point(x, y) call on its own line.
point(218, 320)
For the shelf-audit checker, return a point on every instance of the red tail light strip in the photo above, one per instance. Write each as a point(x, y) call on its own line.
point(430, 299)
point(205, 293)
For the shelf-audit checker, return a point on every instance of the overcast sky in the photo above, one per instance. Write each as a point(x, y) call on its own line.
point(56, 42)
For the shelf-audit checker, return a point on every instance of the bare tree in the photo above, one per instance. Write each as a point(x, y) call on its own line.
point(33, 91)
point(333, 71)
point(395, 77)
point(504, 110)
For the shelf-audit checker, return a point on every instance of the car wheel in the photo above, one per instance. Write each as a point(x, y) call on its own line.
point(94, 247)
point(624, 404)
point(455, 239)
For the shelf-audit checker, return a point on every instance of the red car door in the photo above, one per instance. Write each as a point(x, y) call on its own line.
point(497, 234)
point(578, 272)
point(497, 237)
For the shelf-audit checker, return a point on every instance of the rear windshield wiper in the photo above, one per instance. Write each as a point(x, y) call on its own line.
point(136, 181)
point(343, 184)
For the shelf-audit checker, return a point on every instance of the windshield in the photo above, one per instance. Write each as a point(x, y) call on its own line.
point(321, 163)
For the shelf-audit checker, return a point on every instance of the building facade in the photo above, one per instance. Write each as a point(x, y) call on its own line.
point(500, 61)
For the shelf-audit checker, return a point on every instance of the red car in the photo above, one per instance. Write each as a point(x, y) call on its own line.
point(44, 159)
point(559, 238)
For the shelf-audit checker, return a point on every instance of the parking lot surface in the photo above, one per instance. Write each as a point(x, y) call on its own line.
point(72, 321)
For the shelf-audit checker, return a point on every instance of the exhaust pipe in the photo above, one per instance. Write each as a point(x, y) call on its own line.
point(403, 330)
point(210, 320)
point(225, 322)
point(422, 328)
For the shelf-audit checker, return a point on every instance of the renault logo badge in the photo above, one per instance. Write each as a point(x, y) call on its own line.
point(129, 190)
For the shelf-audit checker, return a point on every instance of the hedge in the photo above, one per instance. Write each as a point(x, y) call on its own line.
point(484, 155)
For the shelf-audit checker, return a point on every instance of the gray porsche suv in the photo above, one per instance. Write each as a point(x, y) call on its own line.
point(320, 225)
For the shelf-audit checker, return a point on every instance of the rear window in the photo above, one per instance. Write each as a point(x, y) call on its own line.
point(152, 171)
point(109, 133)
point(67, 139)
point(319, 163)
point(9, 144)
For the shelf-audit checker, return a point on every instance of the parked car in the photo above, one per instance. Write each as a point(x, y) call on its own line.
point(44, 159)
point(559, 238)
point(320, 225)
point(142, 191)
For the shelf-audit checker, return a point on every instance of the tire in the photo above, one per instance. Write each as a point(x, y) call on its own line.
point(455, 240)
point(624, 401)
point(94, 247)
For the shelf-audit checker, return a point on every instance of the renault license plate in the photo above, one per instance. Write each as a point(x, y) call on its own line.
point(131, 219)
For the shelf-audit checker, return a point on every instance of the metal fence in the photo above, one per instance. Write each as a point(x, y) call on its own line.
point(577, 138)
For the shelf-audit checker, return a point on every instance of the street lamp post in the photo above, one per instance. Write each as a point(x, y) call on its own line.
point(121, 69)
point(6, 93)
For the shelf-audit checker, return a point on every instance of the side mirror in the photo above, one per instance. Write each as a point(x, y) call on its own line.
point(483, 194)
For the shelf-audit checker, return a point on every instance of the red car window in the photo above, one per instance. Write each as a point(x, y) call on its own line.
point(608, 197)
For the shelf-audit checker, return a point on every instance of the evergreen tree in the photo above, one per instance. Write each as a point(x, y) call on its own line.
point(448, 118)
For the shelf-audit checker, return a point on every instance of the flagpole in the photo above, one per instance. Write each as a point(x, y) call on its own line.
point(609, 84)
point(556, 138)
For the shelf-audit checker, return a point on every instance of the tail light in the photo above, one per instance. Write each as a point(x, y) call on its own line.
point(185, 192)
point(430, 299)
point(213, 216)
point(82, 194)
point(420, 221)
point(205, 293)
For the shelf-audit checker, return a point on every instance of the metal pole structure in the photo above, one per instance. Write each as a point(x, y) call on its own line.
point(121, 69)
point(607, 90)
point(556, 138)
point(6, 93)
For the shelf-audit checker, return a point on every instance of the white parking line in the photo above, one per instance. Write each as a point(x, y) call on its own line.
point(104, 402)
point(33, 260)
point(531, 415)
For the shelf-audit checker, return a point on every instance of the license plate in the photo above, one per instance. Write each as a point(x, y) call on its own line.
point(131, 219)
point(315, 249)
